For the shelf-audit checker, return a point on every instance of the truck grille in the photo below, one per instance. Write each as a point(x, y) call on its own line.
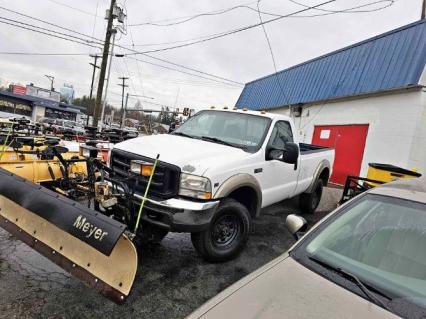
point(164, 184)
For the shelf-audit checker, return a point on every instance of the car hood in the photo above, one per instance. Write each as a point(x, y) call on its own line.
point(286, 289)
point(191, 155)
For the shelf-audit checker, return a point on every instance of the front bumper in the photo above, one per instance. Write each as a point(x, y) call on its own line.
point(178, 215)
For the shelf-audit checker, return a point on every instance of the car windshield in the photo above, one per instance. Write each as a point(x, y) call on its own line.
point(246, 131)
point(380, 240)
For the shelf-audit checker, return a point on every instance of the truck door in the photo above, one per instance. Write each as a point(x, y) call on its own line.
point(279, 179)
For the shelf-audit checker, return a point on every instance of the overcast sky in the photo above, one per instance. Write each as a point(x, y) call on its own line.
point(241, 57)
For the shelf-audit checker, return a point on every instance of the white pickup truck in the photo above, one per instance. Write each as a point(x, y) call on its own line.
point(216, 172)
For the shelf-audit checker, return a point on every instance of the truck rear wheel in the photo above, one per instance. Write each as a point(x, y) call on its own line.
point(309, 202)
point(227, 234)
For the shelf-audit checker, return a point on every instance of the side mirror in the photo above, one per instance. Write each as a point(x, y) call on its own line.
point(275, 154)
point(291, 153)
point(296, 225)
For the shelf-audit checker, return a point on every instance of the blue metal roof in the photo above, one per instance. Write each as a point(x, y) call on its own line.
point(395, 59)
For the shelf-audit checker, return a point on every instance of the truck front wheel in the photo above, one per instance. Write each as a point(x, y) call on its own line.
point(309, 201)
point(227, 233)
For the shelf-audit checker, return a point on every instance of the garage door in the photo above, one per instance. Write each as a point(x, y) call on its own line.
point(349, 143)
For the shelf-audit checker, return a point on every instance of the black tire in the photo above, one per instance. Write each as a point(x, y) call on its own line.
point(309, 202)
point(227, 233)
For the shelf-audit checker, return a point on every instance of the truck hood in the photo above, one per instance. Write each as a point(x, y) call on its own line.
point(191, 155)
point(286, 289)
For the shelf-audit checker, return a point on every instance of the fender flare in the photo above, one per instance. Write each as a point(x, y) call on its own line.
point(324, 164)
point(237, 181)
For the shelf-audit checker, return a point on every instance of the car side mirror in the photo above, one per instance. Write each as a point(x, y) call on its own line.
point(275, 154)
point(296, 225)
point(291, 153)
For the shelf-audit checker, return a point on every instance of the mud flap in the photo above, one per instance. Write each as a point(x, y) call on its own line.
point(89, 245)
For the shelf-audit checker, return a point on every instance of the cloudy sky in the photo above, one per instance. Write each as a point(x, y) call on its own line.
point(240, 57)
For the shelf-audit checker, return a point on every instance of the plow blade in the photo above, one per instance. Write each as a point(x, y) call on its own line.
point(87, 244)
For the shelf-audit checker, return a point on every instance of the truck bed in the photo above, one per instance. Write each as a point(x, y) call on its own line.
point(311, 157)
point(311, 148)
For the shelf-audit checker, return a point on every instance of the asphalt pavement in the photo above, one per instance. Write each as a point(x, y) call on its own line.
point(172, 280)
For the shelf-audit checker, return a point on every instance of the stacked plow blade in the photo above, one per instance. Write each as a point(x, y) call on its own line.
point(87, 244)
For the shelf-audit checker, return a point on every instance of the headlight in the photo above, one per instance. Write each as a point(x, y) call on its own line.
point(141, 168)
point(195, 186)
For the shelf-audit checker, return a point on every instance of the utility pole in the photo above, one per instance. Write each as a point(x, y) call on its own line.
point(123, 113)
point(107, 81)
point(423, 10)
point(51, 78)
point(109, 32)
point(123, 85)
point(95, 66)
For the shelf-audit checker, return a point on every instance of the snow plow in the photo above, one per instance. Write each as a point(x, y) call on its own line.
point(87, 244)
point(40, 185)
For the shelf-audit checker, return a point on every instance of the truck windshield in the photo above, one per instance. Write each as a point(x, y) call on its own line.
point(380, 240)
point(245, 131)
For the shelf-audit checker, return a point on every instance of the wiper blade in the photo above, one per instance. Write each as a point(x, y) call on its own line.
point(183, 134)
point(217, 140)
point(356, 280)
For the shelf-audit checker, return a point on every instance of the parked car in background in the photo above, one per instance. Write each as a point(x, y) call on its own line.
point(365, 260)
point(130, 132)
point(60, 126)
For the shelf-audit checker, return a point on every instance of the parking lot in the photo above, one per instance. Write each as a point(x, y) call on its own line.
point(172, 279)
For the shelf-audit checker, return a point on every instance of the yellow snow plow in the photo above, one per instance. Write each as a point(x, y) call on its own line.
point(89, 245)
point(35, 173)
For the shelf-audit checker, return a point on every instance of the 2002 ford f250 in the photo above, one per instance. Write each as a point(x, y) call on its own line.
point(213, 176)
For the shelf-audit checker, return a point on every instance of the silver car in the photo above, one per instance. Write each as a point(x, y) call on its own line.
point(367, 259)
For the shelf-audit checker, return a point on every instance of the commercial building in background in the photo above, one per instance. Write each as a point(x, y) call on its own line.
point(368, 101)
point(36, 91)
point(35, 108)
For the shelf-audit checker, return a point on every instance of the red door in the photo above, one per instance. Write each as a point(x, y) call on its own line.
point(348, 142)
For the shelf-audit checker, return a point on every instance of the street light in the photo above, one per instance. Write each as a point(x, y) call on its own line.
point(51, 78)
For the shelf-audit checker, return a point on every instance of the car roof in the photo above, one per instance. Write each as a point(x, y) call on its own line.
point(413, 189)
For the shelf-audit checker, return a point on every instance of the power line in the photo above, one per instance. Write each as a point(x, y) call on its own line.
point(236, 30)
point(73, 8)
point(44, 54)
point(330, 12)
point(185, 17)
point(211, 13)
point(50, 30)
point(270, 49)
point(184, 72)
point(49, 34)
point(51, 24)
point(87, 42)
point(351, 10)
point(278, 17)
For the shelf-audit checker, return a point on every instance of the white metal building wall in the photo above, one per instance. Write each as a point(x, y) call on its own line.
point(396, 126)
